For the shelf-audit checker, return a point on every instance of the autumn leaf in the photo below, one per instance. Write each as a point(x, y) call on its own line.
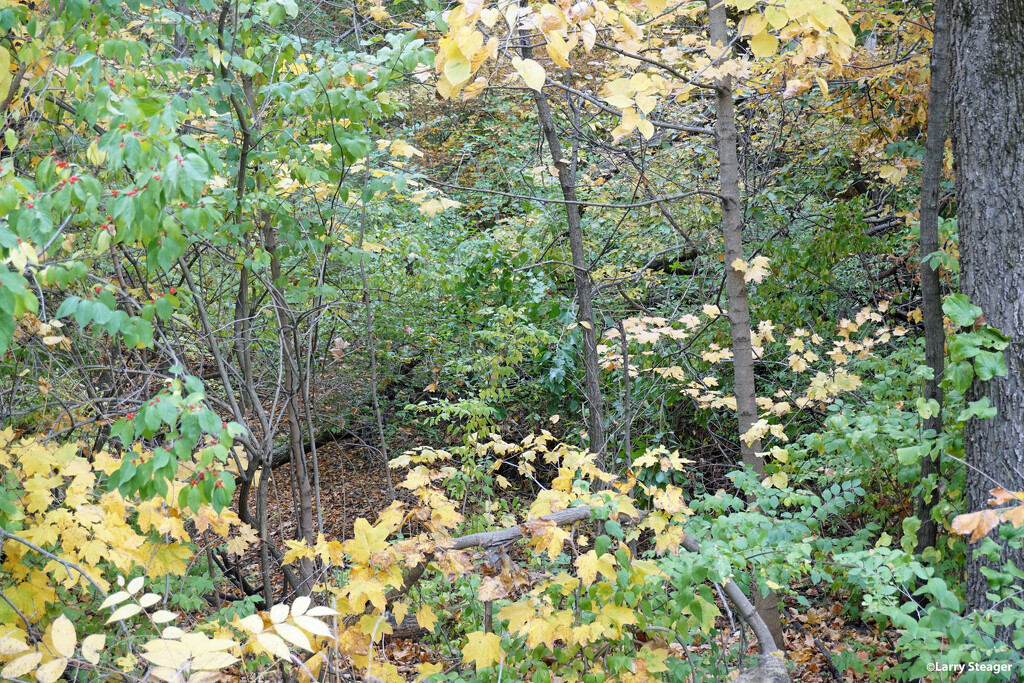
point(532, 72)
point(976, 524)
point(62, 634)
point(483, 649)
point(590, 565)
point(426, 618)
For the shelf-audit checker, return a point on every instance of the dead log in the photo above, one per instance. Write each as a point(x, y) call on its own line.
point(770, 669)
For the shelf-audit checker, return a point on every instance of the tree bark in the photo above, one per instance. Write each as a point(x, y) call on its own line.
point(581, 271)
point(931, 291)
point(744, 387)
point(988, 145)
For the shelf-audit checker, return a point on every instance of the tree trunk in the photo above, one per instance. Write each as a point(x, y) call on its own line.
point(736, 288)
point(292, 395)
point(931, 294)
point(581, 271)
point(988, 145)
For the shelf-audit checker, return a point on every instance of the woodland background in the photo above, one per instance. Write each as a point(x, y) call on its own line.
point(616, 340)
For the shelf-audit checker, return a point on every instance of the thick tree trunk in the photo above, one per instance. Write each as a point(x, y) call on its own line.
point(988, 143)
point(736, 288)
point(931, 294)
point(581, 271)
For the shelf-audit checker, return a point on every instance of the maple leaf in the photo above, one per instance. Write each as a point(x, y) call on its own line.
point(426, 618)
point(671, 500)
point(491, 588)
point(169, 559)
point(551, 540)
point(366, 540)
point(617, 616)
point(483, 649)
point(590, 565)
point(518, 615)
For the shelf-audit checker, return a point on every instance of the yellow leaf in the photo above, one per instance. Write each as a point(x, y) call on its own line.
point(124, 612)
point(472, 90)
point(62, 631)
point(797, 8)
point(162, 616)
point(794, 86)
point(618, 616)
point(428, 669)
point(764, 44)
point(252, 623)
point(551, 541)
point(590, 565)
point(753, 24)
point(92, 646)
point(426, 618)
point(532, 72)
point(483, 649)
point(212, 661)
point(822, 85)
point(557, 49)
point(491, 589)
point(278, 613)
point(95, 155)
point(274, 645)
point(5, 70)
point(313, 625)
point(166, 653)
point(293, 635)
point(9, 645)
point(149, 599)
point(22, 665)
point(656, 6)
point(52, 670)
point(169, 559)
point(457, 67)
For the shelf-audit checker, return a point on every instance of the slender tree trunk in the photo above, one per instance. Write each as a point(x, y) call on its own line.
point(371, 346)
point(987, 41)
point(931, 294)
point(292, 396)
point(736, 288)
point(581, 271)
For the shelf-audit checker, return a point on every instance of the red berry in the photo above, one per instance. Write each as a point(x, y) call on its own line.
point(173, 290)
point(223, 425)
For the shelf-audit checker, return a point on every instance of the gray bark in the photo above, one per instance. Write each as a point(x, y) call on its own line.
point(744, 387)
point(581, 271)
point(931, 293)
point(988, 143)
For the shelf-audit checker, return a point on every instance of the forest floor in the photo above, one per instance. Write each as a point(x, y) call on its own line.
point(354, 487)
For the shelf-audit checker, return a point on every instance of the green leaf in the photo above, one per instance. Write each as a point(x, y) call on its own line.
point(989, 364)
point(960, 310)
point(960, 375)
point(981, 409)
